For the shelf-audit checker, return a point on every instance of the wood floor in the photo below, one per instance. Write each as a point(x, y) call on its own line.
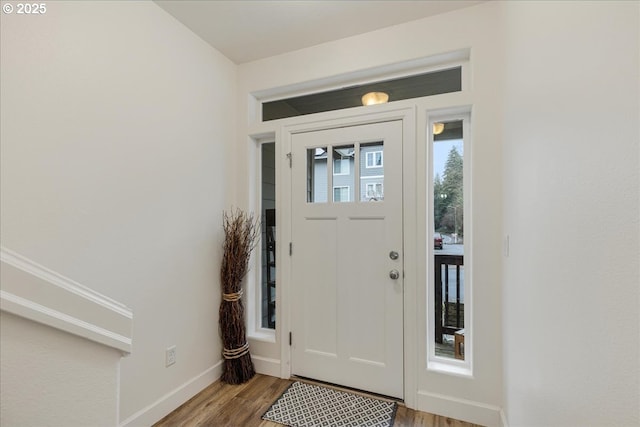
point(243, 405)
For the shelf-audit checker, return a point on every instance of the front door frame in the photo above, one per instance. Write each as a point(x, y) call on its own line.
point(406, 112)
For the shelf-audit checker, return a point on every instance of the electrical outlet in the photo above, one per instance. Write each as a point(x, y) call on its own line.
point(170, 356)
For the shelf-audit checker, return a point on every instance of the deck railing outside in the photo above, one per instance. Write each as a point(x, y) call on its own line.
point(449, 308)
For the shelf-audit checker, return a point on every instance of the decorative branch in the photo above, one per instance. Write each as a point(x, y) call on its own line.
point(241, 236)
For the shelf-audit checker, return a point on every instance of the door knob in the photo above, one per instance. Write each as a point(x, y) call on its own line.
point(393, 255)
point(394, 274)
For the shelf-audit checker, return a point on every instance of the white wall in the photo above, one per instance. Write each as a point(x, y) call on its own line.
point(571, 160)
point(477, 28)
point(115, 124)
point(53, 378)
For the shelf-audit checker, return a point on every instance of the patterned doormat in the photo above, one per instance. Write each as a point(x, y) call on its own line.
point(306, 405)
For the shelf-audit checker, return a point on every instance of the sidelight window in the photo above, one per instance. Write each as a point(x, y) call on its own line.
point(268, 217)
point(449, 328)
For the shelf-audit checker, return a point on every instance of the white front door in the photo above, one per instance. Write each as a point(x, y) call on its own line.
point(346, 284)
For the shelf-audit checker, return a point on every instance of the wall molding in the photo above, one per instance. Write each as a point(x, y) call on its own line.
point(461, 409)
point(34, 292)
point(172, 400)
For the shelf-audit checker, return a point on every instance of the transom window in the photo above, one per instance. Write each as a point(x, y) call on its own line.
point(415, 86)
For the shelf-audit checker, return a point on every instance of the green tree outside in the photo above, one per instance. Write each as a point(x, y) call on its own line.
point(448, 196)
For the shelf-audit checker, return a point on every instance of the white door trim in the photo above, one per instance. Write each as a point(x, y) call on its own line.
point(380, 114)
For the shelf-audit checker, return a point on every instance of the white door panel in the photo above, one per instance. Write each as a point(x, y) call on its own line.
point(347, 312)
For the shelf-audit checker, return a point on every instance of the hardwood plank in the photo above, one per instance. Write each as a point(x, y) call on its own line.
point(224, 405)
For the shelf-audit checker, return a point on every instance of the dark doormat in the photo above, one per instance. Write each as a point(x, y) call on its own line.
point(307, 405)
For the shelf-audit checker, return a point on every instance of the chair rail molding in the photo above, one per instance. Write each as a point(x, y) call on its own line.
point(34, 292)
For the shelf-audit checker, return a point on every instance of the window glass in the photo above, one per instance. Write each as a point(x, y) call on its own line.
point(317, 181)
point(448, 239)
point(341, 194)
point(268, 283)
point(341, 166)
point(343, 173)
point(416, 86)
point(372, 172)
point(374, 159)
point(374, 191)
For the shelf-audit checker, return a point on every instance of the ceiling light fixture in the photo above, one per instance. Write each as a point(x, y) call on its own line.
point(373, 98)
point(438, 128)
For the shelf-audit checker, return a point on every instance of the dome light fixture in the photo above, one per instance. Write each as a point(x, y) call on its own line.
point(438, 128)
point(373, 98)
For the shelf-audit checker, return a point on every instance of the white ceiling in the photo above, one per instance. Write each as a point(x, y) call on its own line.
point(247, 30)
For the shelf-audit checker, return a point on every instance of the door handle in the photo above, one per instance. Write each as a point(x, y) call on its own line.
point(394, 274)
point(393, 255)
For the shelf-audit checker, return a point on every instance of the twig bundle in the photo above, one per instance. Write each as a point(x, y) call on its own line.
point(241, 235)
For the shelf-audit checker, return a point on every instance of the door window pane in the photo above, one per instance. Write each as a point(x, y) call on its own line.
point(341, 166)
point(317, 182)
point(343, 173)
point(372, 172)
point(341, 194)
point(374, 190)
point(374, 159)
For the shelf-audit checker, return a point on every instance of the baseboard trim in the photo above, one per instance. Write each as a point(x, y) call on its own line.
point(461, 409)
point(172, 400)
point(266, 366)
point(503, 419)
